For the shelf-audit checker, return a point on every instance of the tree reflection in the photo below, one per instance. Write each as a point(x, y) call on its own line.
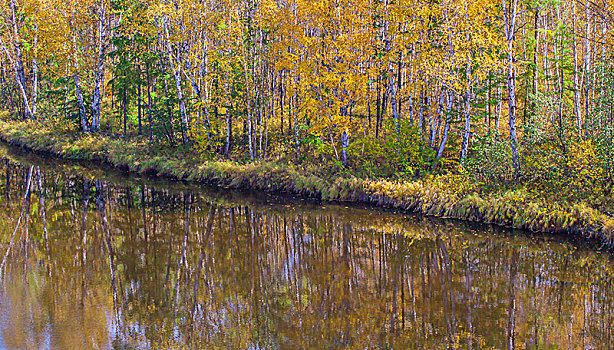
point(133, 266)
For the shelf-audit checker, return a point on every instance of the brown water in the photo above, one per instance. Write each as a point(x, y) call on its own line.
point(101, 261)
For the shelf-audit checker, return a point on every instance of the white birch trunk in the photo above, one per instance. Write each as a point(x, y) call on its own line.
point(510, 28)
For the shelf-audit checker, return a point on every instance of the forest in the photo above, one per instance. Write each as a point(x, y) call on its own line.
point(464, 98)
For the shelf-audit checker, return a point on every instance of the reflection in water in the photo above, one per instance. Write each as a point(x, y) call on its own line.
point(93, 264)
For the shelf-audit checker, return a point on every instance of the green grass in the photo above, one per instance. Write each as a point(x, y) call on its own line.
point(447, 196)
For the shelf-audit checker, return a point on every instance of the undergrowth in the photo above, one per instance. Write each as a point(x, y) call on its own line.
point(452, 195)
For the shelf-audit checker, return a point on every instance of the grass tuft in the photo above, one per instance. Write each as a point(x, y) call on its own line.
point(448, 196)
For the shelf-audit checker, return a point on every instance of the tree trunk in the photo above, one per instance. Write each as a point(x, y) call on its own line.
point(296, 135)
point(345, 143)
point(421, 116)
point(587, 69)
point(139, 107)
point(393, 102)
point(510, 29)
point(176, 69)
point(99, 79)
point(467, 131)
point(498, 105)
point(446, 129)
point(82, 113)
point(228, 131)
point(533, 105)
point(378, 107)
point(124, 109)
point(149, 107)
point(182, 109)
point(18, 62)
point(576, 85)
point(34, 72)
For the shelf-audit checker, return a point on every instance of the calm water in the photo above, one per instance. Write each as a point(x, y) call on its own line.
point(100, 261)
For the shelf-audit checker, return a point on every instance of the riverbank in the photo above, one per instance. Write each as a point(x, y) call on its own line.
point(445, 196)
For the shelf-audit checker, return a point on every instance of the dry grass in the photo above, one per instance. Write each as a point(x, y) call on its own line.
point(451, 196)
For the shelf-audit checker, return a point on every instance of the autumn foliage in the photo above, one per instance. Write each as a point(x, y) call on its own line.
point(503, 93)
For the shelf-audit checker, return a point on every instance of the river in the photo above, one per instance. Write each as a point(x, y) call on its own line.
point(93, 259)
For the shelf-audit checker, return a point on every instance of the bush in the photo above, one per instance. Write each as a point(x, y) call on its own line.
point(490, 160)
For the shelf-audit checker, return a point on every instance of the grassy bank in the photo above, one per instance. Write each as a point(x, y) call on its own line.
point(448, 196)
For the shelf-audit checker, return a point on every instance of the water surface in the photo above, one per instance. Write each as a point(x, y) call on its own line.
point(97, 260)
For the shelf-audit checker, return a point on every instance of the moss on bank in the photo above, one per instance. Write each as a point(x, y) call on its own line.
point(447, 196)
